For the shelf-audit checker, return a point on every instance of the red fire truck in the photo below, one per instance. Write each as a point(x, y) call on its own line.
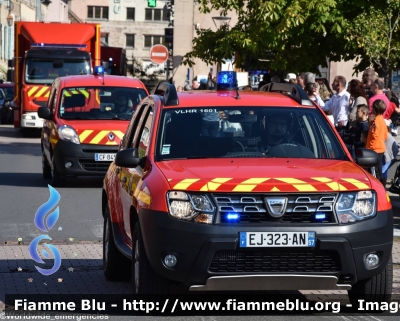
point(43, 52)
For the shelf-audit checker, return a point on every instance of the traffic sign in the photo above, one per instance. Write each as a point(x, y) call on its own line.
point(158, 54)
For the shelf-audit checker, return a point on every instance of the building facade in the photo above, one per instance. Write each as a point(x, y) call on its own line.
point(129, 24)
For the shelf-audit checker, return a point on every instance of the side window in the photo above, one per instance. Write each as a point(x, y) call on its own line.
point(54, 102)
point(145, 134)
point(138, 131)
point(50, 102)
point(133, 126)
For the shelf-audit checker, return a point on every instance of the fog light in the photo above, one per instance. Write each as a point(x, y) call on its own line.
point(371, 261)
point(170, 260)
point(68, 164)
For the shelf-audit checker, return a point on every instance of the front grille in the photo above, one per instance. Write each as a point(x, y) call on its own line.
point(100, 151)
point(300, 208)
point(275, 261)
point(93, 166)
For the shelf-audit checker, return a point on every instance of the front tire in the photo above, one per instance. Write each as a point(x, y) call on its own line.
point(144, 279)
point(376, 289)
point(46, 168)
point(116, 266)
point(56, 179)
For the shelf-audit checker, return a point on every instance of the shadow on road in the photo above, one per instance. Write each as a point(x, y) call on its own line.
point(37, 180)
point(21, 149)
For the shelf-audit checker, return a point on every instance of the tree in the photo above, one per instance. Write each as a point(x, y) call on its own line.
point(376, 32)
point(293, 35)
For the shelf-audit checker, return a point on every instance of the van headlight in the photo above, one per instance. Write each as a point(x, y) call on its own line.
point(68, 134)
point(188, 207)
point(356, 206)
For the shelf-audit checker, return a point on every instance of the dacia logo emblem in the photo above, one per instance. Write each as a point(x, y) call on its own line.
point(276, 206)
point(111, 136)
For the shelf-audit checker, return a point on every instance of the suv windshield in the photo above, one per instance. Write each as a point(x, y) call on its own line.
point(39, 71)
point(246, 132)
point(99, 102)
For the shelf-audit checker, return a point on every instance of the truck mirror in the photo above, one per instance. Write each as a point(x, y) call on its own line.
point(44, 113)
point(10, 75)
point(366, 157)
point(58, 64)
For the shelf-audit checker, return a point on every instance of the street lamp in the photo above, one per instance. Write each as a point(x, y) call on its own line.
point(222, 20)
point(10, 20)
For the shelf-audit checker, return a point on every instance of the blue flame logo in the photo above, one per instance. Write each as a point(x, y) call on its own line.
point(45, 224)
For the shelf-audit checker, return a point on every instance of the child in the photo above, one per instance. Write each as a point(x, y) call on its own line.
point(377, 135)
point(355, 137)
point(390, 153)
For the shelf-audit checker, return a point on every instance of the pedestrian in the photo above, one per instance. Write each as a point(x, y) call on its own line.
point(203, 84)
point(368, 77)
point(266, 80)
point(377, 135)
point(293, 81)
point(187, 87)
point(324, 92)
point(390, 153)
point(300, 79)
point(195, 84)
point(377, 87)
point(275, 79)
point(312, 90)
point(359, 97)
point(356, 136)
point(309, 77)
point(289, 77)
point(339, 104)
point(179, 89)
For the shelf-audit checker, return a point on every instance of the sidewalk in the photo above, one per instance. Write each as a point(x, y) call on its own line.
point(81, 273)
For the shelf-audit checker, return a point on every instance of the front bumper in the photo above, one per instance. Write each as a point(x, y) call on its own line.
point(336, 262)
point(33, 120)
point(82, 157)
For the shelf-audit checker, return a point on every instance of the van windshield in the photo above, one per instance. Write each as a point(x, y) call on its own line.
point(39, 71)
point(216, 132)
point(90, 103)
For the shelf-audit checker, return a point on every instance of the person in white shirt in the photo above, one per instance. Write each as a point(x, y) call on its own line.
point(339, 103)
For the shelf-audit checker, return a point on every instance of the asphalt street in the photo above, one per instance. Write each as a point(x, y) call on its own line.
point(23, 190)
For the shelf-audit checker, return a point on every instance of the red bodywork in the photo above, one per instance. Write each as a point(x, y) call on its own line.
point(28, 33)
point(150, 186)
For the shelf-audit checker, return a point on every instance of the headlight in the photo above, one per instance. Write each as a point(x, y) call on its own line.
point(356, 206)
point(69, 134)
point(28, 117)
point(189, 207)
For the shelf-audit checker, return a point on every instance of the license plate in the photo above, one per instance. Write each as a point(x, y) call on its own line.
point(277, 239)
point(104, 157)
point(30, 124)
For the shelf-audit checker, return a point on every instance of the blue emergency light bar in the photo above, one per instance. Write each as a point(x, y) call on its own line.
point(227, 80)
point(54, 45)
point(98, 71)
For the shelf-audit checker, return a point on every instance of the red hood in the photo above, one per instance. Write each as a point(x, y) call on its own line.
point(98, 131)
point(264, 175)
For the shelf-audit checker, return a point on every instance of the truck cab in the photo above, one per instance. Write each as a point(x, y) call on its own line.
point(41, 67)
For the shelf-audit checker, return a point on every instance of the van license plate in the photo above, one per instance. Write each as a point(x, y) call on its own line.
point(277, 239)
point(104, 157)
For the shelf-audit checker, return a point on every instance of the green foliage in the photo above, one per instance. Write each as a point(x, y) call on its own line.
point(376, 32)
point(295, 35)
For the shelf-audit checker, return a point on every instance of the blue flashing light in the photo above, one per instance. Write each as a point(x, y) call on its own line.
point(232, 217)
point(98, 71)
point(227, 80)
point(320, 216)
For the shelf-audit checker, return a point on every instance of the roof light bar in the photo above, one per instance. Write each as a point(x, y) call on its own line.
point(227, 80)
point(54, 45)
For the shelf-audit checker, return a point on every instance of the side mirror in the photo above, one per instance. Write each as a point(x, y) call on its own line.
point(129, 158)
point(44, 113)
point(366, 157)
